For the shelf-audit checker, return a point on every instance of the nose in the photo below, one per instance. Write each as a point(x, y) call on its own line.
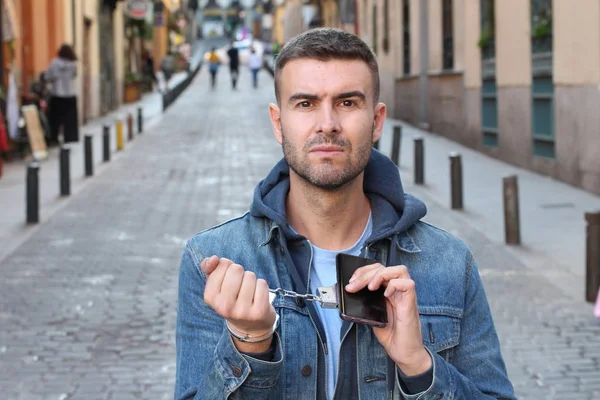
point(329, 122)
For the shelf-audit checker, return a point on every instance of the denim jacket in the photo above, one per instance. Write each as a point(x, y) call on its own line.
point(457, 326)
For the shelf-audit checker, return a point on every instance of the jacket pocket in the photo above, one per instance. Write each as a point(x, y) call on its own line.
point(440, 329)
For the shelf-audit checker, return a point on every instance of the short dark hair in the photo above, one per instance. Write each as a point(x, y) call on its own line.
point(66, 52)
point(325, 44)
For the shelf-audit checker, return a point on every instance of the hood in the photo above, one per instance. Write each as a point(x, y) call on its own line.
point(392, 210)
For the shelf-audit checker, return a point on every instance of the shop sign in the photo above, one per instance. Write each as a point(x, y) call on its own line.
point(137, 9)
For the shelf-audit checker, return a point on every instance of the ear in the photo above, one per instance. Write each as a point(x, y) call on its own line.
point(378, 120)
point(275, 114)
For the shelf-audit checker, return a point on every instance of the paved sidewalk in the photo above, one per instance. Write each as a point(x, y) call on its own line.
point(552, 213)
point(13, 228)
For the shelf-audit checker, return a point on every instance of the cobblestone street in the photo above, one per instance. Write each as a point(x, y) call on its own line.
point(88, 302)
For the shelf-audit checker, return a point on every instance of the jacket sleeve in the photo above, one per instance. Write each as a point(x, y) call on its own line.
point(208, 364)
point(477, 370)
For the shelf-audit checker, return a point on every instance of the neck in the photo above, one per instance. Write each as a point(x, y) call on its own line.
point(331, 220)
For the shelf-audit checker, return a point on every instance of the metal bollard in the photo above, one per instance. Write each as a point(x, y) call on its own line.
point(106, 143)
point(419, 161)
point(120, 139)
point(33, 193)
point(140, 120)
point(88, 155)
point(129, 127)
point(65, 171)
point(592, 275)
point(512, 225)
point(456, 182)
point(397, 145)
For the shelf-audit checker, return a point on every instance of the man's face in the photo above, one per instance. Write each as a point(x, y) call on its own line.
point(327, 119)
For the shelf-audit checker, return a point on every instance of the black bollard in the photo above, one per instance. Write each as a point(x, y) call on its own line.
point(397, 145)
point(419, 161)
point(129, 127)
point(512, 225)
point(65, 171)
point(88, 156)
point(106, 143)
point(33, 193)
point(592, 275)
point(140, 120)
point(456, 182)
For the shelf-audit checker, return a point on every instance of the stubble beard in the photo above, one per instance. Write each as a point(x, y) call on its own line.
point(327, 176)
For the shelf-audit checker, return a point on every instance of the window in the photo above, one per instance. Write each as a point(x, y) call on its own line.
point(375, 38)
point(406, 36)
point(447, 35)
point(542, 85)
point(386, 26)
point(489, 92)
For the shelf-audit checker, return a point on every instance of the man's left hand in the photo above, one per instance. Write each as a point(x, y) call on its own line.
point(401, 338)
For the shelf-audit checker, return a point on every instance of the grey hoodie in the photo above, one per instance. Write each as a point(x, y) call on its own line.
point(62, 74)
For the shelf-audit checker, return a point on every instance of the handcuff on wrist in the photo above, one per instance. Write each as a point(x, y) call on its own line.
point(327, 297)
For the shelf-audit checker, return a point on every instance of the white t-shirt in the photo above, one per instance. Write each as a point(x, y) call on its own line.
point(323, 273)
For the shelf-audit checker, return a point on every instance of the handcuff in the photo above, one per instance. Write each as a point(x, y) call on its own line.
point(327, 298)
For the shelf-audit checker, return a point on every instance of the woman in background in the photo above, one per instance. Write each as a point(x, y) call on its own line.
point(62, 73)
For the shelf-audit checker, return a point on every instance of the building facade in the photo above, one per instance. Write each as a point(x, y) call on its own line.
point(516, 79)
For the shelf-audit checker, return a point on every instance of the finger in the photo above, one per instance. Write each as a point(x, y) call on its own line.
point(363, 278)
point(261, 305)
point(386, 275)
point(399, 286)
point(215, 279)
point(209, 264)
point(230, 288)
point(245, 295)
point(362, 271)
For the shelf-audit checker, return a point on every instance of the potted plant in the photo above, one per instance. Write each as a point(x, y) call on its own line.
point(133, 87)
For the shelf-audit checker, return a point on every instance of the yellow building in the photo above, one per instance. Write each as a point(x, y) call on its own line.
point(511, 78)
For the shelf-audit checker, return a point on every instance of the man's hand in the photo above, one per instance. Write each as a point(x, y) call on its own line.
point(401, 338)
point(241, 299)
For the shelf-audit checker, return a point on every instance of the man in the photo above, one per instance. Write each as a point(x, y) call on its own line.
point(332, 194)
point(234, 64)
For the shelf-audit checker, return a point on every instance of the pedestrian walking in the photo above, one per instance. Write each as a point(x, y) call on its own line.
point(167, 67)
point(234, 63)
point(422, 326)
point(255, 63)
point(149, 73)
point(213, 66)
point(62, 110)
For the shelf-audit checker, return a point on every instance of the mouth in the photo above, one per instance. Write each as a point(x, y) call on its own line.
point(327, 150)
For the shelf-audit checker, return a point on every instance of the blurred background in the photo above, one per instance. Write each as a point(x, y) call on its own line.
point(118, 148)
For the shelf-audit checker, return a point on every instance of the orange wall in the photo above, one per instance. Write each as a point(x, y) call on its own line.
point(41, 35)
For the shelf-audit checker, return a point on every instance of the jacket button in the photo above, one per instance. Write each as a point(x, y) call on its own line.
point(237, 371)
point(306, 370)
point(300, 302)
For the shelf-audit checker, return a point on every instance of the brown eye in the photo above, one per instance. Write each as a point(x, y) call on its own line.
point(348, 103)
point(304, 104)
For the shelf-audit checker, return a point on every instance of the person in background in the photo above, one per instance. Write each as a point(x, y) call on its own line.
point(213, 66)
point(255, 63)
point(62, 73)
point(148, 68)
point(234, 64)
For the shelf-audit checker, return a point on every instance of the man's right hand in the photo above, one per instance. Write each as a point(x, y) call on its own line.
point(240, 298)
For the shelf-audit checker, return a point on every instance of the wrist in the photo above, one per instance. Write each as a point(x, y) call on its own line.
point(417, 365)
point(258, 347)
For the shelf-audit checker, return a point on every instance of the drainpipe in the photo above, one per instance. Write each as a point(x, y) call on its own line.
point(424, 73)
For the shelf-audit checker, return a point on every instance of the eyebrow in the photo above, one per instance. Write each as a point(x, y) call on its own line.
point(345, 95)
